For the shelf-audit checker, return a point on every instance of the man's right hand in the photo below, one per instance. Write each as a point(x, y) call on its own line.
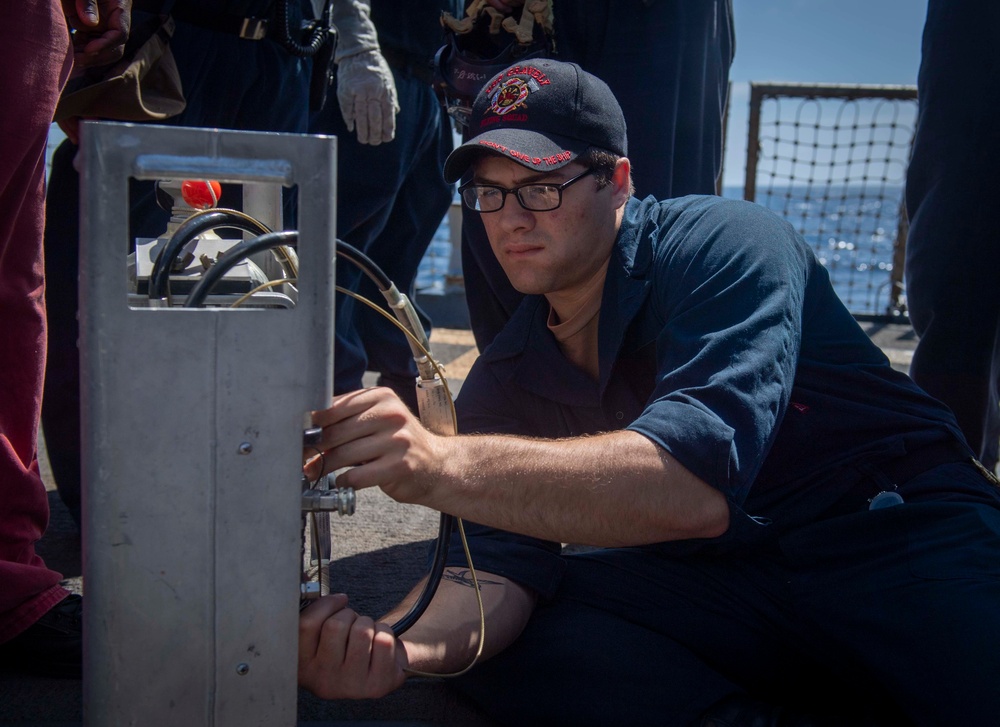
point(346, 656)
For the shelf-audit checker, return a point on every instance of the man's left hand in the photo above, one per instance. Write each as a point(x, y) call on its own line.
point(343, 655)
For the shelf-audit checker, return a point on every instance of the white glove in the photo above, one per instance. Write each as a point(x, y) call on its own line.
point(366, 90)
point(367, 96)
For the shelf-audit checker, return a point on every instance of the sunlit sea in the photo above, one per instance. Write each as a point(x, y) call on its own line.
point(851, 230)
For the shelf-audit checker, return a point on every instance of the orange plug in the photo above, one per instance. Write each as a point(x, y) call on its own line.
point(201, 194)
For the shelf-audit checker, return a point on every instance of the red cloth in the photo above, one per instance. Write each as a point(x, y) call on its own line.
point(36, 60)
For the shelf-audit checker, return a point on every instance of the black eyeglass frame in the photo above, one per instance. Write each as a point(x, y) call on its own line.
point(516, 191)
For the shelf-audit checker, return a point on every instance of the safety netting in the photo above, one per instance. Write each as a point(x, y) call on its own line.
point(831, 159)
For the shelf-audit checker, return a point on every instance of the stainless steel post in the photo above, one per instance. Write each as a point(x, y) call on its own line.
point(192, 445)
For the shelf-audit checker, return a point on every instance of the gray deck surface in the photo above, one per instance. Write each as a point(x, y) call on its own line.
point(380, 553)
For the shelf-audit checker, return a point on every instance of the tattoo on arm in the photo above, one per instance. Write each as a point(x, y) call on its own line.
point(464, 578)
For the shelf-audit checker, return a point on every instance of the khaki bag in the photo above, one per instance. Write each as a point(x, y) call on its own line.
point(143, 86)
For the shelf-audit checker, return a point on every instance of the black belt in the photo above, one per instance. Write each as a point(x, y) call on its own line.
point(412, 64)
point(246, 28)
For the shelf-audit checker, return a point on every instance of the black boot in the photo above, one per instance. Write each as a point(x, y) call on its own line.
point(53, 645)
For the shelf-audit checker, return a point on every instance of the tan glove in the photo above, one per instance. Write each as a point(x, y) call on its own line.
point(366, 91)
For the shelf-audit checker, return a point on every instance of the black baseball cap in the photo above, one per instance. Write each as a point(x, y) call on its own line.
point(541, 113)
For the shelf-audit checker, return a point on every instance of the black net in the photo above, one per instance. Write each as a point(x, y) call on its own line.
point(832, 161)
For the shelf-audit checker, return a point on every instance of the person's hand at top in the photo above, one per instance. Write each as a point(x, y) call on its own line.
point(100, 29)
point(366, 91)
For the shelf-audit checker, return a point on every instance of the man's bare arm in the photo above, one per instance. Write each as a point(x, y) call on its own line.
point(446, 638)
point(343, 655)
point(613, 489)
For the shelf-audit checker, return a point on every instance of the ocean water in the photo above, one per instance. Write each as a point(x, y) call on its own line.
point(851, 230)
point(441, 267)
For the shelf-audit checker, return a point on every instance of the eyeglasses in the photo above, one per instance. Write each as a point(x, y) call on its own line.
point(533, 197)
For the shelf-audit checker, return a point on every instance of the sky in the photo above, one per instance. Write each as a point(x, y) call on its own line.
point(820, 41)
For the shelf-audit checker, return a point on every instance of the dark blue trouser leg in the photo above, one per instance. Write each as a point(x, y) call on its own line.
point(61, 402)
point(667, 63)
point(391, 200)
point(953, 248)
point(886, 616)
point(553, 676)
point(416, 216)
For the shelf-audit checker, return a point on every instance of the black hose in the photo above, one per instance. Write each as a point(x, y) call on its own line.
point(159, 279)
point(365, 263)
point(433, 578)
point(232, 257)
point(203, 222)
point(373, 271)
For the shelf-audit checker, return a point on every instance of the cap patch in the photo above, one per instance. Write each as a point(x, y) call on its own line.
point(531, 72)
point(511, 95)
point(509, 91)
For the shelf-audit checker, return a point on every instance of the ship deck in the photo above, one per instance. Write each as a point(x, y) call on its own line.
point(379, 553)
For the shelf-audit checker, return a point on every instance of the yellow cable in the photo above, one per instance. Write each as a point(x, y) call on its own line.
point(263, 286)
point(482, 617)
point(290, 265)
point(458, 520)
point(454, 417)
point(409, 334)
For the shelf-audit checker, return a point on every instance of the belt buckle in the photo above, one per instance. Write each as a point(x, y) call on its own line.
point(253, 28)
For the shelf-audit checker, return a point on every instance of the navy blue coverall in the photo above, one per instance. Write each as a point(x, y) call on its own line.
point(722, 340)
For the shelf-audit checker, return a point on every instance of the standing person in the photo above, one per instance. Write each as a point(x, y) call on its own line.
point(781, 518)
point(237, 73)
point(953, 246)
point(40, 626)
point(391, 194)
point(668, 63)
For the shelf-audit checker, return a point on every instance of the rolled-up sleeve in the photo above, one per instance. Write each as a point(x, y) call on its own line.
point(729, 290)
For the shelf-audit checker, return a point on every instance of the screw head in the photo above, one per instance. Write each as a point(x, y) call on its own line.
point(242, 669)
point(245, 448)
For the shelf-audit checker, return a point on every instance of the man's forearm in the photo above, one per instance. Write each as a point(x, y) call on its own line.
point(446, 637)
point(613, 489)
